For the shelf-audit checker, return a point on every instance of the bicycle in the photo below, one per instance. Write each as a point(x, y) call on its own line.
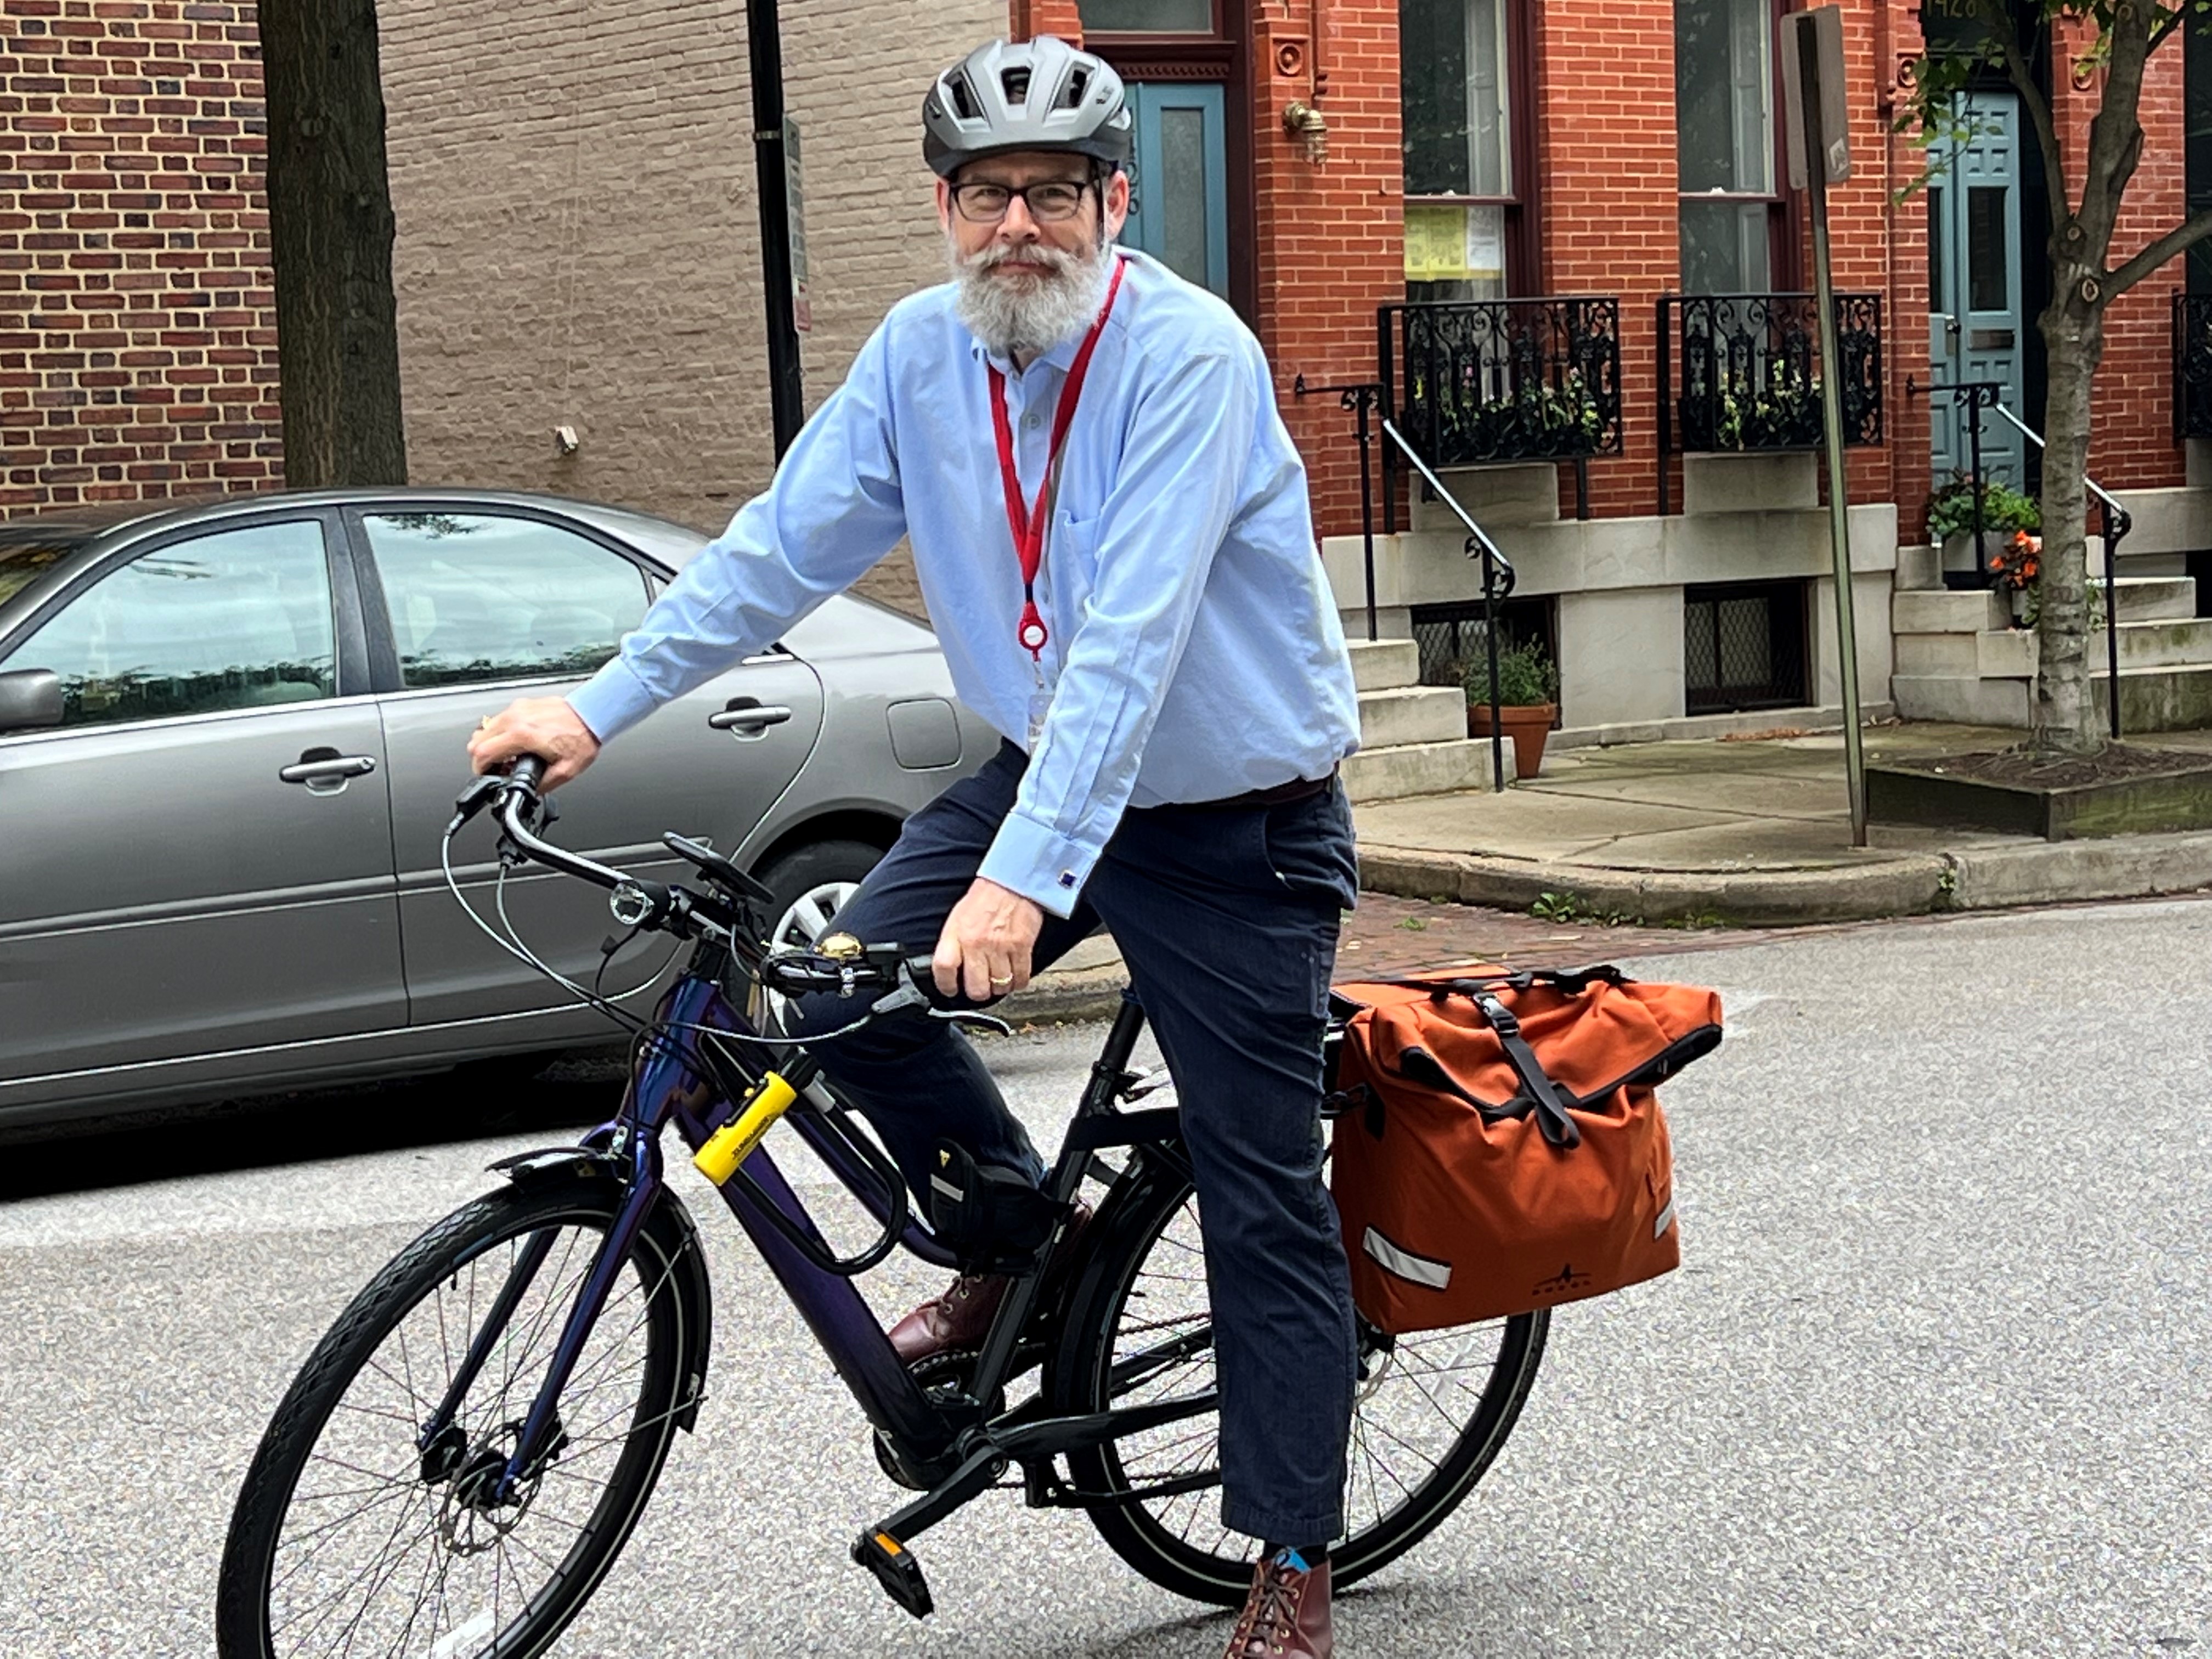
point(490, 1469)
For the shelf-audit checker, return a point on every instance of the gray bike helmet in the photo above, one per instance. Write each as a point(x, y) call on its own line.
point(1034, 95)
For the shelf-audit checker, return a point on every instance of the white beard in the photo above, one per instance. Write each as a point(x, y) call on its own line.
point(1013, 316)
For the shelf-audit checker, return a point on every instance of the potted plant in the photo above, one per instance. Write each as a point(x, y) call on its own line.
point(2004, 511)
point(1528, 692)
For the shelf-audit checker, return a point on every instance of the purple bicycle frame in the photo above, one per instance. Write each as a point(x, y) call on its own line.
point(665, 1087)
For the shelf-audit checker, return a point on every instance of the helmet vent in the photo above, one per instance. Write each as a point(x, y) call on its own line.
point(1071, 94)
point(964, 102)
point(1017, 83)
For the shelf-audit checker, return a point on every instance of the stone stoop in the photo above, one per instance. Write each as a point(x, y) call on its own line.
point(1413, 736)
point(1957, 658)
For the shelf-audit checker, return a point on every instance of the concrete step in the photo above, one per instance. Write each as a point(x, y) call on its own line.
point(1944, 610)
point(1966, 698)
point(2175, 699)
point(2154, 598)
point(1419, 769)
point(1412, 713)
point(1384, 665)
point(1919, 568)
point(1992, 653)
point(2177, 643)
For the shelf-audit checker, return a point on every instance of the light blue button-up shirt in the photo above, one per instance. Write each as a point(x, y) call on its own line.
point(1195, 652)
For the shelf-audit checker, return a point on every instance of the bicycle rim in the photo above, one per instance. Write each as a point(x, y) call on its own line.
point(1428, 1415)
point(351, 1538)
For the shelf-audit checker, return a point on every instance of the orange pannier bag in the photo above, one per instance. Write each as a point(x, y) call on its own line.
point(1498, 1147)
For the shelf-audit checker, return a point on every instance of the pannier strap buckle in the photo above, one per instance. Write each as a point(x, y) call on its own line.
point(1551, 1116)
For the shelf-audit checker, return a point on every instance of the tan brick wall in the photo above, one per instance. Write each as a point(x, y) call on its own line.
point(578, 232)
point(137, 327)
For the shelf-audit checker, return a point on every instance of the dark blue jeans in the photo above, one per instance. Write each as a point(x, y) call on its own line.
point(1227, 921)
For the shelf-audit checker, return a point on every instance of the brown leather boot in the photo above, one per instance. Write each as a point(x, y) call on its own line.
point(960, 1319)
point(1286, 1615)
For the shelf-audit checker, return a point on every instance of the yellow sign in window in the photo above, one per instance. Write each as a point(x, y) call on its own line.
point(1452, 243)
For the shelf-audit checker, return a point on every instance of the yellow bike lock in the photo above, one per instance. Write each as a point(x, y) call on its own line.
point(733, 1144)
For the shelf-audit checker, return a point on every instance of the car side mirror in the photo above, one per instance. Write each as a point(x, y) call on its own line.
point(30, 697)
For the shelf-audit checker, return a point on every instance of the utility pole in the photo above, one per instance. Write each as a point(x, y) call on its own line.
point(786, 400)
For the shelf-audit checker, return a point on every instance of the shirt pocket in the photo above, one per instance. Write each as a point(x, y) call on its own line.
point(1071, 559)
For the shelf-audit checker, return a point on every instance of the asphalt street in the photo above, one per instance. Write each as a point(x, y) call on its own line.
point(1932, 1381)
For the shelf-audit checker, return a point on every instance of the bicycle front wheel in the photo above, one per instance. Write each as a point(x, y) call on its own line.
point(1429, 1413)
point(353, 1535)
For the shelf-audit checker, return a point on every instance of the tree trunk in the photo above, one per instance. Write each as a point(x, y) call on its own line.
point(330, 230)
point(2065, 707)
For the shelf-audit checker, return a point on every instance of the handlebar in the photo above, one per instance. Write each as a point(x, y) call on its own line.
point(719, 917)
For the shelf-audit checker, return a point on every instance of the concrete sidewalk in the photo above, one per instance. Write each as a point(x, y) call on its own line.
point(1755, 830)
point(1617, 850)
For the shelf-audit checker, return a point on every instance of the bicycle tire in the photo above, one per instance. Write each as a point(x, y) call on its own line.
point(254, 1615)
point(1156, 1210)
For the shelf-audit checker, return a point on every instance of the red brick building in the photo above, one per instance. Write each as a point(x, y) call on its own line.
point(138, 324)
point(1567, 220)
point(1586, 205)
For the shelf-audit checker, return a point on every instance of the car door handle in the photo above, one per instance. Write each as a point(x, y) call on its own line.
point(326, 766)
point(750, 718)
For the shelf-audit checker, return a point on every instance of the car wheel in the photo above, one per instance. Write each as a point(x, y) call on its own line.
point(811, 886)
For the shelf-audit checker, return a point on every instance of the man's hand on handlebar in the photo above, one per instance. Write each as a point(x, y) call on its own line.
point(988, 940)
point(535, 725)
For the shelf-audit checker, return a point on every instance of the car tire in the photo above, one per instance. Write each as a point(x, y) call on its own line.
point(812, 884)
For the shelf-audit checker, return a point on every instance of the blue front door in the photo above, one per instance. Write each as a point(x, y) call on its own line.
point(1179, 189)
point(1973, 286)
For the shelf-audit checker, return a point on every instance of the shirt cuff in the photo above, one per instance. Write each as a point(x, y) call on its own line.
point(1039, 864)
point(612, 700)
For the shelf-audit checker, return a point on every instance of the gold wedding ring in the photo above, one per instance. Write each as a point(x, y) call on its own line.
point(997, 979)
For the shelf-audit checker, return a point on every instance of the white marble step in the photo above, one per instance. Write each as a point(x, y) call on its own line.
point(1384, 665)
point(1419, 769)
point(1412, 713)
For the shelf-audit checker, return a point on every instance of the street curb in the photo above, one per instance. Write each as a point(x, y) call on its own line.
point(1908, 884)
point(2046, 872)
point(1070, 993)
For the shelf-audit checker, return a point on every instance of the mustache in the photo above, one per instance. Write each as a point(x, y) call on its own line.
point(1035, 256)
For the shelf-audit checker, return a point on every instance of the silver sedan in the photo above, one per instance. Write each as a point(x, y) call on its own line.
point(230, 737)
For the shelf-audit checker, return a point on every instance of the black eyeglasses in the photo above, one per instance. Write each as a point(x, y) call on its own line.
point(1054, 199)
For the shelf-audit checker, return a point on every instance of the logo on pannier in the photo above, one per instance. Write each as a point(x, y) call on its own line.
point(1565, 1282)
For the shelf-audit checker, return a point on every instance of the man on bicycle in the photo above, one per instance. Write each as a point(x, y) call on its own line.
point(1111, 530)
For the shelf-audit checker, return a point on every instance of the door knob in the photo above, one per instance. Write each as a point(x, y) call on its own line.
point(749, 718)
point(324, 771)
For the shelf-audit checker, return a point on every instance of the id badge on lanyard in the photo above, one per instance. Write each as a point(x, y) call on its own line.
point(1027, 521)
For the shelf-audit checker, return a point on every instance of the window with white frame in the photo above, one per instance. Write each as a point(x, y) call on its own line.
point(1456, 87)
point(1724, 98)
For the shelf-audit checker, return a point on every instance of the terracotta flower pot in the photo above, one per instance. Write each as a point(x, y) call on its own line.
point(1527, 726)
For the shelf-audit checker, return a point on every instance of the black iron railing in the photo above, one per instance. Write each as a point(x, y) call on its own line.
point(1742, 372)
point(1477, 382)
point(2192, 366)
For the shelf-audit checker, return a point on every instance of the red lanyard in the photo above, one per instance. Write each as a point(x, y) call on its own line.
point(1028, 524)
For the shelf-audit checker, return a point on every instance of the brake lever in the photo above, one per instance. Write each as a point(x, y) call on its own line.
point(474, 798)
point(981, 1021)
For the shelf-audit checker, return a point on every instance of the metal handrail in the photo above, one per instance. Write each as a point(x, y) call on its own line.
point(1494, 564)
point(2036, 438)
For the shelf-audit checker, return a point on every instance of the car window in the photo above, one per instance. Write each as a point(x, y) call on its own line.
point(480, 595)
point(23, 563)
point(238, 619)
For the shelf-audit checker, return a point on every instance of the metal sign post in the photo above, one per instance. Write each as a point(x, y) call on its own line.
point(764, 43)
point(1820, 155)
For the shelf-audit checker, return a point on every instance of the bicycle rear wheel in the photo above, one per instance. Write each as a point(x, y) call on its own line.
point(1430, 1413)
point(351, 1537)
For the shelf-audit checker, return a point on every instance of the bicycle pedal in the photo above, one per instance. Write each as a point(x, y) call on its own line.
point(895, 1570)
